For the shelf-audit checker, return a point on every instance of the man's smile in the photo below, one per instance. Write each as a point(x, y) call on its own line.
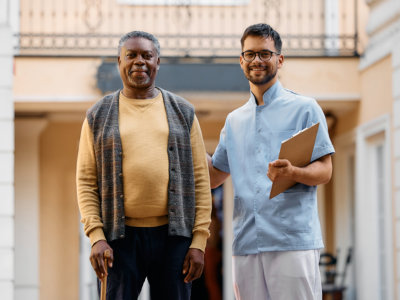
point(257, 68)
point(137, 71)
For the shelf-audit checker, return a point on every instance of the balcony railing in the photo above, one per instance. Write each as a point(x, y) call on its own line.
point(93, 27)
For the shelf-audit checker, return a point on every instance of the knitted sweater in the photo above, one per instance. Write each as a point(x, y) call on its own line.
point(103, 121)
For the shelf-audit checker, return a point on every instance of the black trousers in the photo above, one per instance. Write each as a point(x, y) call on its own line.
point(148, 252)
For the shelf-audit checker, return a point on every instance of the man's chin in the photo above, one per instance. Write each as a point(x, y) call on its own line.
point(140, 84)
point(260, 81)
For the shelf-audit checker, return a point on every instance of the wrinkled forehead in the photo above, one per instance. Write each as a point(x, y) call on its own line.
point(139, 44)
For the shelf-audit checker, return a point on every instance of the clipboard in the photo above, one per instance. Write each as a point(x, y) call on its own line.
point(298, 150)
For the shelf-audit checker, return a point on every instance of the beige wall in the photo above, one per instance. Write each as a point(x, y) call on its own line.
point(321, 76)
point(376, 90)
point(348, 121)
point(55, 77)
point(59, 217)
point(77, 76)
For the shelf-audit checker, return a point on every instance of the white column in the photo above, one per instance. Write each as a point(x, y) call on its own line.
point(373, 211)
point(396, 153)
point(6, 156)
point(228, 238)
point(332, 26)
point(27, 237)
point(87, 276)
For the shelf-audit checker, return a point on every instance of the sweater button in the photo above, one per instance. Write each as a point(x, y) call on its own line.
point(171, 148)
point(121, 196)
point(120, 174)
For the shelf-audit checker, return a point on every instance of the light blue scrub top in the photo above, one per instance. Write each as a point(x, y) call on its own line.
point(250, 139)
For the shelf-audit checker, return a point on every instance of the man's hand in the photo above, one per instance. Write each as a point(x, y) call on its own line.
point(280, 168)
point(193, 264)
point(315, 173)
point(97, 258)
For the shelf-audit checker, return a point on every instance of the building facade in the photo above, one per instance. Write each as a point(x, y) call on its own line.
point(59, 57)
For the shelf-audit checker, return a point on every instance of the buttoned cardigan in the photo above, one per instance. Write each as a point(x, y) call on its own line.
point(103, 121)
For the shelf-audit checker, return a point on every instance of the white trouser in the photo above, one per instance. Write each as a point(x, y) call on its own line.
point(286, 275)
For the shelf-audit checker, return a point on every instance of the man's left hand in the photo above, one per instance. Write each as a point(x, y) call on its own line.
point(193, 264)
point(280, 168)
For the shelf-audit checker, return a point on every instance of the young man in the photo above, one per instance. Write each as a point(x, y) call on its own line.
point(142, 181)
point(276, 241)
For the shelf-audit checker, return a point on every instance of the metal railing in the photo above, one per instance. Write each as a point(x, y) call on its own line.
point(93, 27)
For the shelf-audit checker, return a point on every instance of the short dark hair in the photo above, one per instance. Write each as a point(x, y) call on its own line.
point(263, 30)
point(139, 34)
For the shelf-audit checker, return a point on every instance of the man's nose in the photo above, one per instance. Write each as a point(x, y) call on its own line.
point(139, 60)
point(257, 57)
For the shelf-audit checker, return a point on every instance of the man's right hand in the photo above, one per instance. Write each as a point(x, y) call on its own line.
point(97, 258)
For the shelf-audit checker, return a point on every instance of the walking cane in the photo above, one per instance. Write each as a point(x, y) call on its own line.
point(107, 255)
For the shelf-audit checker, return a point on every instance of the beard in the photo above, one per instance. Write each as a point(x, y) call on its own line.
point(142, 83)
point(261, 80)
point(139, 81)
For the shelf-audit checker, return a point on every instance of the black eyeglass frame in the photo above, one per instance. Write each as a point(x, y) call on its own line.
point(258, 53)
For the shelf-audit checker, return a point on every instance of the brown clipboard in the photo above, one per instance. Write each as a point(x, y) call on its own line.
point(298, 150)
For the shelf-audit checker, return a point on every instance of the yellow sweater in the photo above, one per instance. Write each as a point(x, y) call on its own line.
point(144, 133)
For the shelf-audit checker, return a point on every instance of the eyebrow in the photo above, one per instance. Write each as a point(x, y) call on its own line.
point(143, 51)
point(259, 51)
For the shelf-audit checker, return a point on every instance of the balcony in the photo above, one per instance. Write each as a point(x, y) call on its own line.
point(190, 28)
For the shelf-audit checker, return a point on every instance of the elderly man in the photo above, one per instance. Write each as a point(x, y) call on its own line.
point(142, 181)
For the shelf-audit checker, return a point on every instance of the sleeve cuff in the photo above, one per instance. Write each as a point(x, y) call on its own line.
point(96, 235)
point(199, 240)
point(220, 166)
point(322, 151)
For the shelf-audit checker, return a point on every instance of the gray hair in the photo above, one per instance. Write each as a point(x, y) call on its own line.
point(139, 34)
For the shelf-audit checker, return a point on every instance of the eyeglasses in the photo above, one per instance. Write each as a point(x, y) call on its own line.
point(264, 55)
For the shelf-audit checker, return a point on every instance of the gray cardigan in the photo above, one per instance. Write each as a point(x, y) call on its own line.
point(103, 121)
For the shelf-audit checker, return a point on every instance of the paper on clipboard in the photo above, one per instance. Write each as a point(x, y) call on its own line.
point(298, 150)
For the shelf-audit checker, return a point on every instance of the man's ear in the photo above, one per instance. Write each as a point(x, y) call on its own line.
point(158, 64)
point(119, 60)
point(241, 62)
point(281, 59)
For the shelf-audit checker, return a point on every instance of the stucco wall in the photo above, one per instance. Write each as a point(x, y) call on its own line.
point(58, 77)
point(77, 76)
point(348, 121)
point(59, 216)
point(321, 76)
point(376, 90)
